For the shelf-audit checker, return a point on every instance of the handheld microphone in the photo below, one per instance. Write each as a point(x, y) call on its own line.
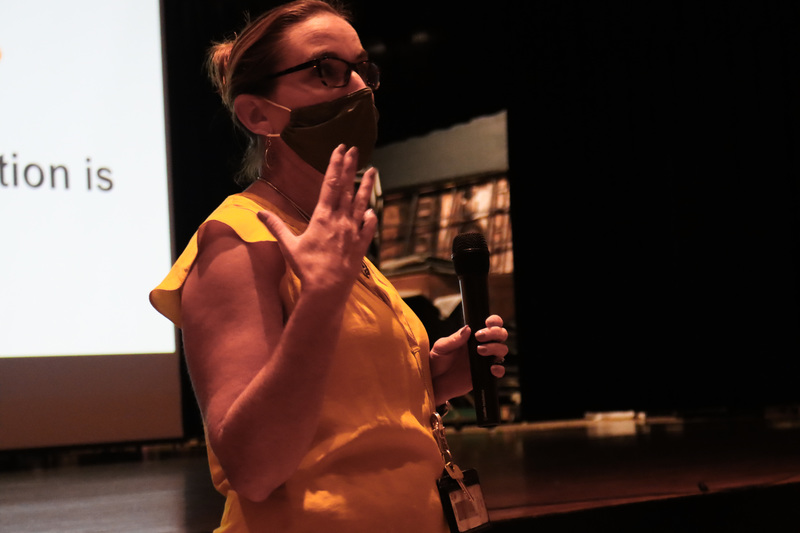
point(471, 262)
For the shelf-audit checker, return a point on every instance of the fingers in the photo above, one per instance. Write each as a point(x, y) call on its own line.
point(494, 321)
point(339, 183)
point(338, 192)
point(368, 227)
point(493, 339)
point(494, 331)
point(362, 199)
point(332, 185)
point(348, 178)
point(493, 349)
point(361, 211)
point(498, 371)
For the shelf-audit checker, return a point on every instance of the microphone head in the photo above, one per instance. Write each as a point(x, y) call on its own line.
point(470, 254)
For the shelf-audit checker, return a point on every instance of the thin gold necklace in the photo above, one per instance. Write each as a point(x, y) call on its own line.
point(299, 209)
point(364, 267)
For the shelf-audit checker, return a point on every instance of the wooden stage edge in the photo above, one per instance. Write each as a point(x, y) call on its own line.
point(624, 470)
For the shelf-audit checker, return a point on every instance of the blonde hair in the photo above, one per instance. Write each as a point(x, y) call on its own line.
point(241, 65)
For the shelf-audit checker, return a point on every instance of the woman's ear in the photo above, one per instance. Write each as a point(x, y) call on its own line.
point(252, 112)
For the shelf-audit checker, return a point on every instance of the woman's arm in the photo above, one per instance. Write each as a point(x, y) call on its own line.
point(259, 376)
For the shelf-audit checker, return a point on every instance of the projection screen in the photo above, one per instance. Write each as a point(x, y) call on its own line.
point(84, 226)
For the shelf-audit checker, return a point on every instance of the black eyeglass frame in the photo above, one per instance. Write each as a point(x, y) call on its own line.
point(352, 67)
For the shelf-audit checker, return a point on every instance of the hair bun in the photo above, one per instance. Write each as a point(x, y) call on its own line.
point(218, 60)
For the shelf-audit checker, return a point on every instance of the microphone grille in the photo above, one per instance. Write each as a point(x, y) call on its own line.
point(470, 254)
point(467, 241)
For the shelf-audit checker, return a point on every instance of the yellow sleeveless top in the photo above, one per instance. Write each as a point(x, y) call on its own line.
point(373, 463)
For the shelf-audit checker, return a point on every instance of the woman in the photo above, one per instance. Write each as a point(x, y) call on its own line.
point(315, 381)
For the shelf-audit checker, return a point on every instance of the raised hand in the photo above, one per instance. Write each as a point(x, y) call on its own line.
point(327, 256)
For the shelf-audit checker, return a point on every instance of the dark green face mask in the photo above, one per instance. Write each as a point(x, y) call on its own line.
point(314, 131)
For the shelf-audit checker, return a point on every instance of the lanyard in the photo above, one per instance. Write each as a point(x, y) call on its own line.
point(450, 467)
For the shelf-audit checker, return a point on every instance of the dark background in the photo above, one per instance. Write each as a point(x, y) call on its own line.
point(653, 154)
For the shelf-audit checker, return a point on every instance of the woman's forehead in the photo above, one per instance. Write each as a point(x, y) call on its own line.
point(320, 35)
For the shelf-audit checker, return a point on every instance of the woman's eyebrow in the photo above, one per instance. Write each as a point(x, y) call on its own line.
point(326, 52)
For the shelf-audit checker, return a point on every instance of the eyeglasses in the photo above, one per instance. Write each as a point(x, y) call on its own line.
point(335, 72)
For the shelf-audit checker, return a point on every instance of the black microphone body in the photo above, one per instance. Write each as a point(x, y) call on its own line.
point(471, 262)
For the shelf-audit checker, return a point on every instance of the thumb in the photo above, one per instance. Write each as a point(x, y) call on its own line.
point(276, 226)
point(452, 342)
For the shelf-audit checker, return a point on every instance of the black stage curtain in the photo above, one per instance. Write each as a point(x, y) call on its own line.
point(653, 149)
point(654, 171)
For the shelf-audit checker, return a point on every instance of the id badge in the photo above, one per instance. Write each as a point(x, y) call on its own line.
point(464, 512)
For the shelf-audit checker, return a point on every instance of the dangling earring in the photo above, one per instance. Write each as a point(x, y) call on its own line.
point(266, 152)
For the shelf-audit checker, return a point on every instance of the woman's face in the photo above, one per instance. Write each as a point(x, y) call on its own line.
point(325, 34)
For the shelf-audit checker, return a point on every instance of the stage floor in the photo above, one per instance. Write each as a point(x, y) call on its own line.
point(528, 472)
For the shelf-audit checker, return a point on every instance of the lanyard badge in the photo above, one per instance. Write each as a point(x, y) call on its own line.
point(459, 490)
